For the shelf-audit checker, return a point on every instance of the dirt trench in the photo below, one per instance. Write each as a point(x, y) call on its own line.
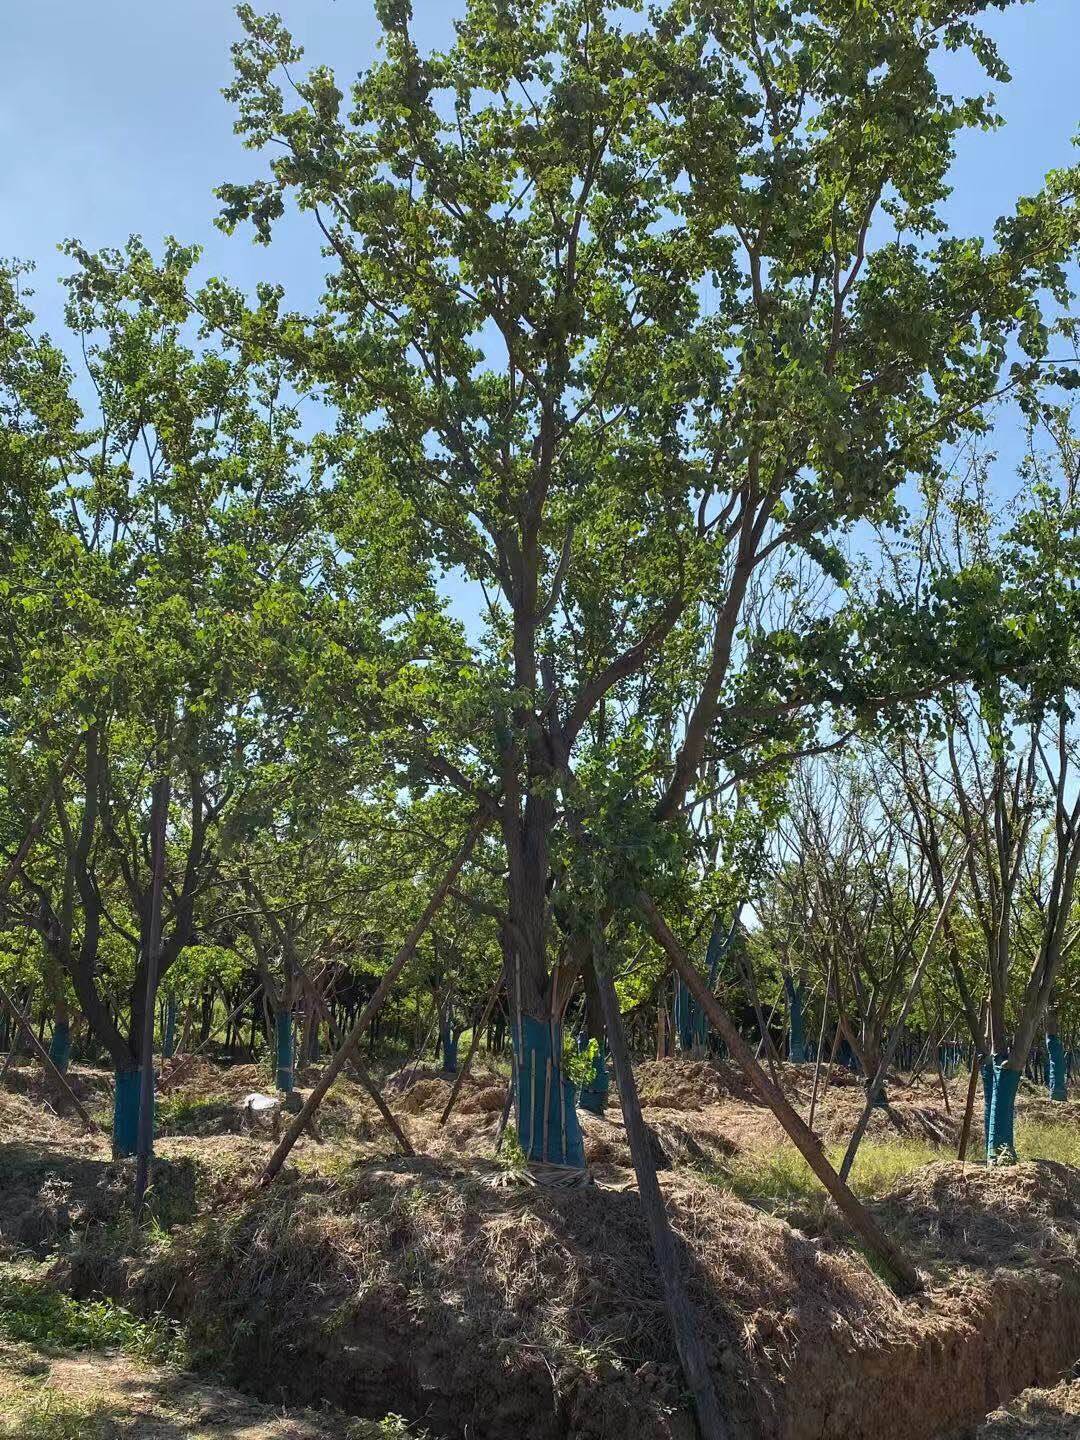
point(430, 1289)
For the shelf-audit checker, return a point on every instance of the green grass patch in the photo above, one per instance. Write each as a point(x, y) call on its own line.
point(783, 1181)
point(187, 1115)
point(1048, 1140)
point(34, 1313)
point(391, 1427)
point(39, 1414)
point(34, 1413)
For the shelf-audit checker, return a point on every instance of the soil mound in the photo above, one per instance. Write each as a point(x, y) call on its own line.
point(1015, 1215)
point(690, 1084)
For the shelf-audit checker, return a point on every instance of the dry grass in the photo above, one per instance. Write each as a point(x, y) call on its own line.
point(1052, 1414)
point(432, 1288)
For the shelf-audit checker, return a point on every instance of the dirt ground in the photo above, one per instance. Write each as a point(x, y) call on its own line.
point(111, 1397)
point(445, 1288)
point(1038, 1415)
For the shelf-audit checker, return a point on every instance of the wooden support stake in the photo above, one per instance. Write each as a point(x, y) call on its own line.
point(357, 1068)
point(684, 1322)
point(507, 1103)
point(383, 1108)
point(905, 1277)
point(873, 1089)
point(820, 1043)
point(43, 1055)
point(382, 990)
point(459, 1078)
point(969, 1105)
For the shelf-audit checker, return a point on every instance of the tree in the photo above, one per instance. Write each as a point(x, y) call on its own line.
point(998, 766)
point(159, 597)
point(611, 305)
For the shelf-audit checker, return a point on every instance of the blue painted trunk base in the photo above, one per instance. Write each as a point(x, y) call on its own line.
point(847, 1057)
point(283, 1031)
point(1055, 1054)
point(126, 1112)
point(448, 1043)
point(594, 1093)
point(691, 1025)
point(796, 1022)
point(999, 1106)
point(60, 1046)
point(548, 1128)
point(168, 1043)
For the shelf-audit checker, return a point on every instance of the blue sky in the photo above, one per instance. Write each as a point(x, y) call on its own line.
point(112, 122)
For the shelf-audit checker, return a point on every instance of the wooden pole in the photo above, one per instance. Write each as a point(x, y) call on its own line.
point(820, 1043)
point(684, 1322)
point(357, 1068)
point(905, 1277)
point(459, 1078)
point(159, 819)
point(878, 1080)
point(969, 1105)
point(382, 990)
point(43, 1055)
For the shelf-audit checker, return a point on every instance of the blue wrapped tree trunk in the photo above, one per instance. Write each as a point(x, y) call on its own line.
point(1055, 1055)
point(283, 1031)
point(60, 1046)
point(594, 1092)
point(796, 1020)
point(1000, 1085)
point(126, 1108)
point(548, 1128)
point(689, 1019)
point(448, 1045)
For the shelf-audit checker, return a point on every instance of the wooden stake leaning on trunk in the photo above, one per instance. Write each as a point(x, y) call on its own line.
point(684, 1322)
point(969, 1105)
point(459, 1078)
point(873, 1090)
point(905, 1277)
point(357, 1068)
point(820, 1043)
point(43, 1055)
point(382, 990)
